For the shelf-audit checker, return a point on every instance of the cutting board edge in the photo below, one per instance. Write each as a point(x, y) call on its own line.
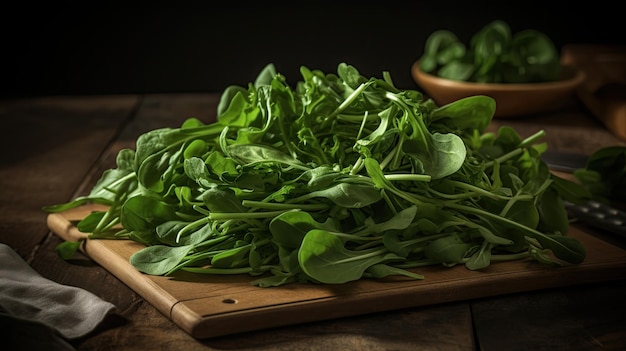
point(280, 315)
point(137, 281)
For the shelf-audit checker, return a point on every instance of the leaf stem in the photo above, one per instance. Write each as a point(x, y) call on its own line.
point(284, 206)
point(220, 216)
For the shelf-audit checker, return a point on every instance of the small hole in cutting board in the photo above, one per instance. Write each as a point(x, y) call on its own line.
point(229, 301)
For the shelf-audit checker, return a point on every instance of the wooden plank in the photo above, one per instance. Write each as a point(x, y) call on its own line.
point(48, 146)
point(589, 317)
point(79, 138)
point(209, 306)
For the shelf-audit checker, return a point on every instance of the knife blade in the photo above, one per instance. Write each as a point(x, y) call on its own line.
point(564, 161)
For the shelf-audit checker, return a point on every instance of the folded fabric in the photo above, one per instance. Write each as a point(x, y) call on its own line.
point(25, 295)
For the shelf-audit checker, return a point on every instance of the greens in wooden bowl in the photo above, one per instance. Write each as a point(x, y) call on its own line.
point(494, 55)
point(521, 72)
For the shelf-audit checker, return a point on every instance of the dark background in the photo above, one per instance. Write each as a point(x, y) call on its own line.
point(205, 46)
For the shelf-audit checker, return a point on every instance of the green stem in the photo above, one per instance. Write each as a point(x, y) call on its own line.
point(504, 157)
point(245, 215)
point(284, 206)
point(532, 139)
point(210, 270)
point(493, 216)
point(480, 191)
point(373, 253)
point(350, 99)
point(409, 177)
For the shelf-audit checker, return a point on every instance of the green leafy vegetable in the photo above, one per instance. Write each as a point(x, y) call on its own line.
point(335, 179)
point(494, 55)
point(604, 175)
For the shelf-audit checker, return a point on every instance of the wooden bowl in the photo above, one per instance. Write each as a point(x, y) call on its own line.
point(512, 99)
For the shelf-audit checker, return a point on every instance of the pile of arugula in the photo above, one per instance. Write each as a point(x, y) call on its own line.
point(337, 179)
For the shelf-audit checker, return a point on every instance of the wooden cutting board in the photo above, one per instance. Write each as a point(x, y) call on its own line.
point(208, 306)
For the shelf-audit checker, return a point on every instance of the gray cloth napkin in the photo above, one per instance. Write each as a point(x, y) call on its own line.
point(25, 295)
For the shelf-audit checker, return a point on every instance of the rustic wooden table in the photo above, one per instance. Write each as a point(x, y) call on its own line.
point(55, 148)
